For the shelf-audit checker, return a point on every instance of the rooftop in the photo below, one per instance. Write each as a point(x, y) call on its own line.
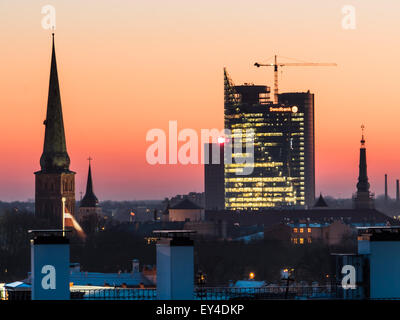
point(186, 204)
point(314, 215)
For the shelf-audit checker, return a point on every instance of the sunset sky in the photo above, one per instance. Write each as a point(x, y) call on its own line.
point(126, 67)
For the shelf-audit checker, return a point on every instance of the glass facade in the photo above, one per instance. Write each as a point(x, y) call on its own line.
point(278, 178)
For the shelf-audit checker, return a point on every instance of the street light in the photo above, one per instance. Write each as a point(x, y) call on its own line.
point(201, 281)
point(287, 275)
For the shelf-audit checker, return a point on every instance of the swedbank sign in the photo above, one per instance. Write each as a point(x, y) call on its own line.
point(293, 109)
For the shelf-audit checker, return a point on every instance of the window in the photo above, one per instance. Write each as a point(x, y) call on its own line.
point(295, 230)
point(301, 230)
point(309, 240)
point(301, 240)
point(309, 230)
point(294, 240)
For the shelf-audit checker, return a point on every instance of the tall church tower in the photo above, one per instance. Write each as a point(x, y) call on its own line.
point(363, 199)
point(54, 181)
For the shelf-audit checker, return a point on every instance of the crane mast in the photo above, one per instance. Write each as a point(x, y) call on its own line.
point(276, 65)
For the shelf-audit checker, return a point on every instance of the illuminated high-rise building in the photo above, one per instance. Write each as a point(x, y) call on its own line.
point(304, 165)
point(283, 133)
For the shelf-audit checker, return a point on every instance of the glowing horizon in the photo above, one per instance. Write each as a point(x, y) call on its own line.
point(126, 68)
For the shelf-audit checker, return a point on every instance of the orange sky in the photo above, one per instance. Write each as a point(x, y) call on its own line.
point(126, 67)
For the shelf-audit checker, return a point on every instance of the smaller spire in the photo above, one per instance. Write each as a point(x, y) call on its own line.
point(89, 199)
point(321, 203)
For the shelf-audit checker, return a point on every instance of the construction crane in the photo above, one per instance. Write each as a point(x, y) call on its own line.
point(289, 64)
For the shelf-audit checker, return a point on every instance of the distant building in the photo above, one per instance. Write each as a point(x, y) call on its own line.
point(207, 229)
point(331, 233)
point(283, 174)
point(363, 198)
point(270, 217)
point(316, 217)
point(186, 210)
point(89, 209)
point(54, 181)
point(214, 192)
point(196, 197)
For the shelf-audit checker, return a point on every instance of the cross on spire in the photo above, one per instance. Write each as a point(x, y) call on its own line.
point(362, 135)
point(363, 184)
point(363, 198)
point(90, 159)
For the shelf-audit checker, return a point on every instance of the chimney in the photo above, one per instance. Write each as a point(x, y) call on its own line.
point(50, 265)
point(175, 265)
point(386, 188)
point(397, 190)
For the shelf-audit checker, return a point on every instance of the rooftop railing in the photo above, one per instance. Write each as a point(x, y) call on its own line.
point(114, 294)
point(266, 293)
point(206, 293)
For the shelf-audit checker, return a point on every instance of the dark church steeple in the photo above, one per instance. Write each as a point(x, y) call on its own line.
point(89, 200)
point(363, 199)
point(89, 209)
point(54, 157)
point(54, 181)
point(363, 184)
point(321, 203)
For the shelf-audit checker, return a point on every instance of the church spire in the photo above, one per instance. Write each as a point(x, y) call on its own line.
point(54, 157)
point(363, 184)
point(363, 198)
point(89, 200)
point(54, 181)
